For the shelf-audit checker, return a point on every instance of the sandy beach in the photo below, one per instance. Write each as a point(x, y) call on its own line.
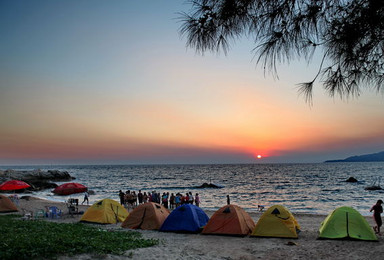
point(198, 246)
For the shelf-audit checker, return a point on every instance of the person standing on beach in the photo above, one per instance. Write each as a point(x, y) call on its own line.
point(86, 196)
point(140, 197)
point(121, 196)
point(197, 200)
point(190, 198)
point(377, 210)
point(178, 200)
point(172, 201)
point(164, 200)
point(228, 200)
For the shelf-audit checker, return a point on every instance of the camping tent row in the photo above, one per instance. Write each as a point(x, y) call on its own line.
point(277, 221)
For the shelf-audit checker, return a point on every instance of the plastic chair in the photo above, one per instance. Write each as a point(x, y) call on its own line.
point(39, 214)
point(54, 212)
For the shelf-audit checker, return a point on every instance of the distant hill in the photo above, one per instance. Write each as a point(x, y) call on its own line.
point(373, 157)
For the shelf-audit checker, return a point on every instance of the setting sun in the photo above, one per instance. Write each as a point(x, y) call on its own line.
point(258, 156)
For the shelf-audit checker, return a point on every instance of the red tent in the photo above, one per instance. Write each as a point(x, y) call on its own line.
point(70, 188)
point(14, 185)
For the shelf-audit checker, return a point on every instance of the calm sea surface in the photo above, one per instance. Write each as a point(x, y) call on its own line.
point(303, 188)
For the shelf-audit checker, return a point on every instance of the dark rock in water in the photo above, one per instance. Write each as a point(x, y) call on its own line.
point(51, 175)
point(351, 179)
point(38, 179)
point(42, 185)
point(91, 192)
point(208, 185)
point(373, 188)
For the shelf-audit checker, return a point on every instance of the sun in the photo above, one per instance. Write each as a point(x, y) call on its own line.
point(258, 156)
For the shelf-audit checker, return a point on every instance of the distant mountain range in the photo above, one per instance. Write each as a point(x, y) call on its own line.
point(373, 157)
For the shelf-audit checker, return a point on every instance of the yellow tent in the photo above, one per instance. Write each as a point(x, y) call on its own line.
point(277, 221)
point(105, 211)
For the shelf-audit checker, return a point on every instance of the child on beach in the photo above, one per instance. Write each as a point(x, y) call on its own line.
point(377, 210)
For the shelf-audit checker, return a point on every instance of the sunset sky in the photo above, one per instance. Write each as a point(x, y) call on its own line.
point(97, 82)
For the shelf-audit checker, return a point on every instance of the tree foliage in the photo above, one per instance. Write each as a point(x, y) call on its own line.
point(348, 33)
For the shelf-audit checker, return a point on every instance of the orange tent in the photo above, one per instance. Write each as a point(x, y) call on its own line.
point(230, 220)
point(6, 205)
point(149, 216)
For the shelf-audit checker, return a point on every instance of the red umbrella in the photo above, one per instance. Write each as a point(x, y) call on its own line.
point(14, 185)
point(70, 188)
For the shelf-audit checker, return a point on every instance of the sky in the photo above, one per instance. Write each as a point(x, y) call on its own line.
point(113, 82)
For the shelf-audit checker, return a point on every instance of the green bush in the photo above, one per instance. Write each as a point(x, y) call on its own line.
point(41, 239)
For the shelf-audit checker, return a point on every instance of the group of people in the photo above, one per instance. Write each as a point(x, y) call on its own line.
point(130, 199)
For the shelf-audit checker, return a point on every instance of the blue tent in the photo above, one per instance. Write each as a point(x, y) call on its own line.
point(186, 218)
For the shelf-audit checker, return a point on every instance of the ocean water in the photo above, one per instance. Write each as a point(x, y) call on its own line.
point(315, 188)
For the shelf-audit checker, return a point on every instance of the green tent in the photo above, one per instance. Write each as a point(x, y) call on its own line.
point(344, 223)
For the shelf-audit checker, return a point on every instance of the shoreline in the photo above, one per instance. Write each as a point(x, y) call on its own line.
point(302, 188)
point(199, 246)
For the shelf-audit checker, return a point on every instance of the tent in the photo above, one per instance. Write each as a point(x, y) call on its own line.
point(277, 221)
point(346, 222)
point(149, 216)
point(105, 211)
point(185, 218)
point(6, 205)
point(230, 220)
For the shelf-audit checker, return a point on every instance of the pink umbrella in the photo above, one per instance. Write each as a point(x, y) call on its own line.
point(14, 185)
point(69, 188)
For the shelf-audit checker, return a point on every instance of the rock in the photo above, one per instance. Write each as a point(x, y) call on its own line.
point(42, 185)
point(208, 185)
point(351, 179)
point(52, 175)
point(373, 188)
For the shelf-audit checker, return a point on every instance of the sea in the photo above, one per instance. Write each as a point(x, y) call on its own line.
point(316, 188)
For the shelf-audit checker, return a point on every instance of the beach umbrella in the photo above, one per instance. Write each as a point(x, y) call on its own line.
point(14, 185)
point(69, 188)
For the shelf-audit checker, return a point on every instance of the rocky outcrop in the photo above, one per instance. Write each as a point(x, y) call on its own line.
point(374, 187)
point(38, 179)
point(351, 179)
point(208, 185)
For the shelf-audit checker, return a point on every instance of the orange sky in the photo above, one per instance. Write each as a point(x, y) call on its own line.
point(124, 89)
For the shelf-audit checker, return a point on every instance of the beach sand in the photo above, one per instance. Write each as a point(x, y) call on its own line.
point(198, 246)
